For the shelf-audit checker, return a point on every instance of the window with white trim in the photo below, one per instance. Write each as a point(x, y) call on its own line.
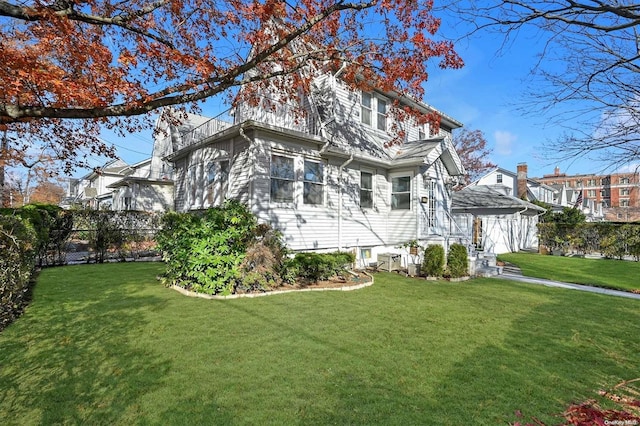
point(499, 178)
point(591, 193)
point(366, 190)
point(401, 193)
point(313, 189)
point(374, 110)
point(624, 180)
point(624, 192)
point(282, 179)
point(624, 202)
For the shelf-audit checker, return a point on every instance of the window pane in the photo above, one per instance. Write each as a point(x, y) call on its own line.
point(312, 193)
point(366, 116)
point(281, 190)
point(365, 110)
point(366, 99)
point(224, 170)
point(282, 167)
point(382, 114)
point(382, 106)
point(401, 201)
point(211, 173)
point(401, 184)
point(366, 198)
point(366, 180)
point(312, 171)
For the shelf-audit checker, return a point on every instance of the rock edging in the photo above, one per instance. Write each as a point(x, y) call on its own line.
point(190, 293)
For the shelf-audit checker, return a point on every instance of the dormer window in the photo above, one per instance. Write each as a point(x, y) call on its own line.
point(373, 111)
point(499, 178)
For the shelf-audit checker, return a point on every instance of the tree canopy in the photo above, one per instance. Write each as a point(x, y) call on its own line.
point(471, 147)
point(587, 78)
point(72, 66)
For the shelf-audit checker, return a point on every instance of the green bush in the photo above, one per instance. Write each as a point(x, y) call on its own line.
point(433, 264)
point(457, 261)
point(205, 251)
point(17, 263)
point(52, 228)
point(321, 266)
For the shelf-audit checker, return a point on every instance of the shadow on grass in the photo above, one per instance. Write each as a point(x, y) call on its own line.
point(73, 358)
point(551, 353)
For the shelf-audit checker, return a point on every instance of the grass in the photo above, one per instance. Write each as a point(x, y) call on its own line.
point(609, 273)
point(107, 344)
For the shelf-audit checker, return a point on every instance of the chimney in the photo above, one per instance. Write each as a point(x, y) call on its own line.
point(556, 171)
point(522, 181)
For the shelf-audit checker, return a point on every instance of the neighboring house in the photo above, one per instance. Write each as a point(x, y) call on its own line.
point(92, 190)
point(558, 196)
point(612, 197)
point(327, 180)
point(498, 223)
point(517, 185)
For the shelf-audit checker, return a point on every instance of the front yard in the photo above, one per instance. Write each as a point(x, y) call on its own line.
point(108, 344)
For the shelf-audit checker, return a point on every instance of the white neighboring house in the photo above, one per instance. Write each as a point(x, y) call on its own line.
point(140, 191)
point(92, 190)
point(517, 185)
point(326, 181)
point(150, 186)
point(557, 196)
point(499, 223)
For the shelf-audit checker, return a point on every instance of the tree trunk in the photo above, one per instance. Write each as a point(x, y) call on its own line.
point(4, 196)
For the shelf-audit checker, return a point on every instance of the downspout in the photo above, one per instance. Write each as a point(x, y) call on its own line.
point(340, 181)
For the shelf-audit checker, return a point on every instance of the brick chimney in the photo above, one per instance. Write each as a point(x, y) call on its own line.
point(521, 180)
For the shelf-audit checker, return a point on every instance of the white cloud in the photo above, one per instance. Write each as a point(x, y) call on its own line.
point(503, 141)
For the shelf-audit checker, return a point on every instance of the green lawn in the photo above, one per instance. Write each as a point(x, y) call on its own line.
point(609, 273)
point(107, 344)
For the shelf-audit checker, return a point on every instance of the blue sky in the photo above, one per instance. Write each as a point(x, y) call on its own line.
point(483, 95)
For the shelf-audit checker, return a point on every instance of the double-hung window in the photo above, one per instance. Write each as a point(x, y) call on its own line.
point(366, 190)
point(313, 192)
point(401, 193)
point(282, 179)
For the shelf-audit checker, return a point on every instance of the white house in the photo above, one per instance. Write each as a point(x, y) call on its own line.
point(517, 185)
point(92, 190)
point(498, 223)
point(328, 180)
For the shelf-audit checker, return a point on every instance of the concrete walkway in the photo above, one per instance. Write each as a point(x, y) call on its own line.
point(513, 274)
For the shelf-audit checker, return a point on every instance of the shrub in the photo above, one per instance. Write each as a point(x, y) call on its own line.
point(17, 245)
point(457, 261)
point(52, 227)
point(433, 263)
point(322, 266)
point(220, 250)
